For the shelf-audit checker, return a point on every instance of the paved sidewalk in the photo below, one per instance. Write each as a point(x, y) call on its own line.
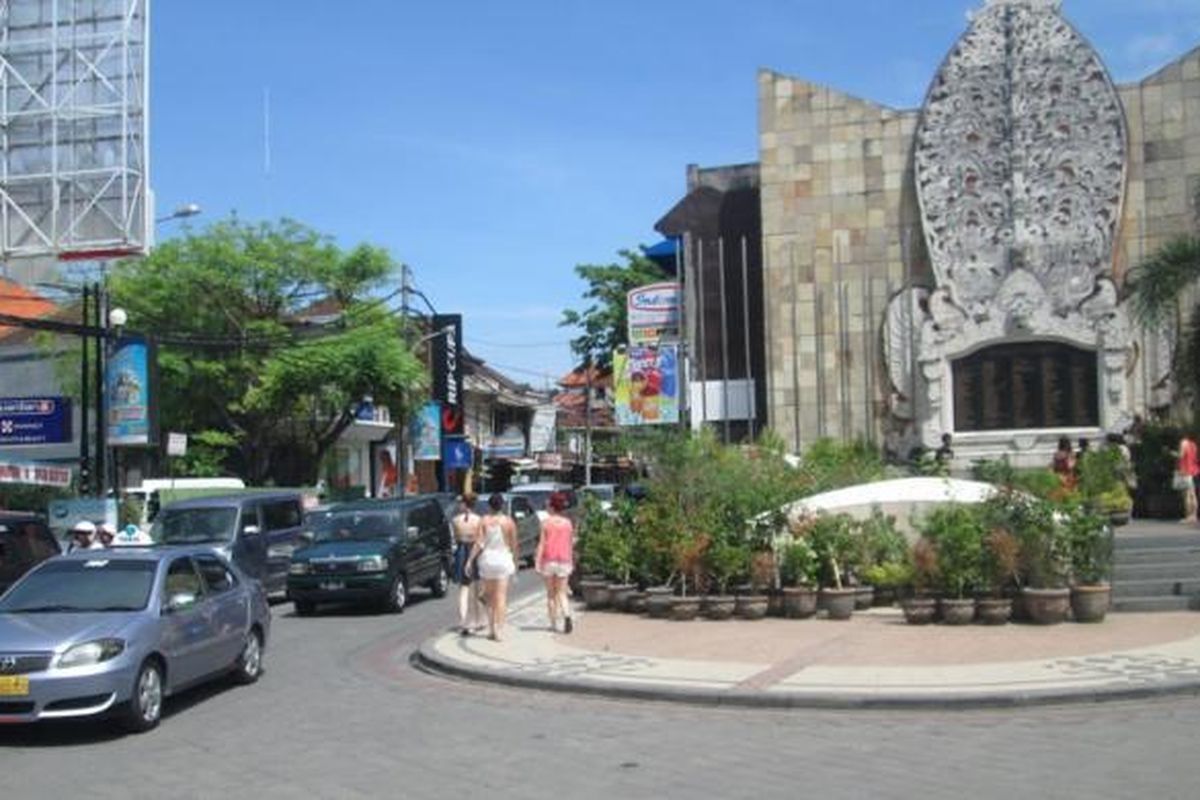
point(872, 660)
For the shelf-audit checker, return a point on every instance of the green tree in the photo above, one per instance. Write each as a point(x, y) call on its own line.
point(262, 392)
point(603, 323)
point(1158, 284)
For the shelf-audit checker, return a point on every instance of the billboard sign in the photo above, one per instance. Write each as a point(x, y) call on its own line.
point(426, 433)
point(654, 313)
point(447, 371)
point(456, 453)
point(127, 395)
point(509, 443)
point(647, 385)
point(541, 430)
point(32, 473)
point(34, 420)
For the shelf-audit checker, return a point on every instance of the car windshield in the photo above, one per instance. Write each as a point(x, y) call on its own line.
point(538, 498)
point(194, 525)
point(600, 492)
point(98, 584)
point(355, 525)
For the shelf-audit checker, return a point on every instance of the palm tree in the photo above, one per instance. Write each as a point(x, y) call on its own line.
point(1158, 285)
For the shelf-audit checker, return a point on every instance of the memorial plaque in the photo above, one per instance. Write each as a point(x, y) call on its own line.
point(1026, 386)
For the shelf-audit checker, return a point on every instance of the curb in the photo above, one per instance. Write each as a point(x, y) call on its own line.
point(426, 659)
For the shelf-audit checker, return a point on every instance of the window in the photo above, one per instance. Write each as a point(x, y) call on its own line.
point(280, 515)
point(424, 517)
point(520, 508)
point(217, 577)
point(182, 579)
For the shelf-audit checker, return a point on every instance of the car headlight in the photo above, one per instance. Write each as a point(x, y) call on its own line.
point(298, 568)
point(373, 564)
point(224, 551)
point(89, 653)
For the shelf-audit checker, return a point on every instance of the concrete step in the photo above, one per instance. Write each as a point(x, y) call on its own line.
point(1141, 604)
point(1156, 588)
point(1157, 555)
point(1156, 540)
point(1174, 570)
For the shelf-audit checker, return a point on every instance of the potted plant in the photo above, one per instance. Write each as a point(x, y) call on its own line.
point(879, 543)
point(832, 538)
point(957, 533)
point(1001, 560)
point(919, 608)
point(798, 570)
point(689, 567)
point(888, 579)
point(1045, 562)
point(725, 560)
point(1090, 543)
point(752, 601)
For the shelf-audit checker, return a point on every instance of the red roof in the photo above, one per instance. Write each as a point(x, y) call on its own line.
point(20, 301)
point(577, 378)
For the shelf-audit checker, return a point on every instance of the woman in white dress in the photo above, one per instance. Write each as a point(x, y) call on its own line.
point(493, 553)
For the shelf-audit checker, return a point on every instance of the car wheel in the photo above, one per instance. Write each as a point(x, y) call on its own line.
point(144, 709)
point(304, 608)
point(249, 662)
point(397, 597)
point(441, 584)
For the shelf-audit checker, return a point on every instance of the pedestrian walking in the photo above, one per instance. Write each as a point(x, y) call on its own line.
point(1187, 475)
point(466, 524)
point(554, 560)
point(493, 552)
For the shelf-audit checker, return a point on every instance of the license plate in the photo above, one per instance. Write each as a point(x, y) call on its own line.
point(14, 685)
point(332, 586)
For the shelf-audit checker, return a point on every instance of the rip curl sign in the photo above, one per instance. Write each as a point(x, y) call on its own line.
point(654, 313)
point(447, 371)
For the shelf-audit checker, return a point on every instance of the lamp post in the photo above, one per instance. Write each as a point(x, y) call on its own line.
point(114, 321)
point(181, 212)
point(402, 470)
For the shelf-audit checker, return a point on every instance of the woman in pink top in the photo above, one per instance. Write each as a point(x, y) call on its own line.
point(554, 561)
point(1189, 466)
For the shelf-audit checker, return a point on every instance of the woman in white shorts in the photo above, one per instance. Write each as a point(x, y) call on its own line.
point(493, 553)
point(555, 560)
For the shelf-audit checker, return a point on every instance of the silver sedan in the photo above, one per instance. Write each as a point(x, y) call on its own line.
point(116, 631)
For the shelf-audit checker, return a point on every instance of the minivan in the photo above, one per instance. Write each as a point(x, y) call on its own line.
point(373, 551)
point(257, 531)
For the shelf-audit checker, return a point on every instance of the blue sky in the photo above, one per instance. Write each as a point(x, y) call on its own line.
point(492, 146)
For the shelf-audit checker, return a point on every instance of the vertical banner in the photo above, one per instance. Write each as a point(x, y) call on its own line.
point(542, 429)
point(127, 395)
point(647, 385)
point(426, 433)
point(447, 371)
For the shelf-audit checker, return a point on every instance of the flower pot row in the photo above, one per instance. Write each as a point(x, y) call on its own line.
point(1039, 606)
point(798, 602)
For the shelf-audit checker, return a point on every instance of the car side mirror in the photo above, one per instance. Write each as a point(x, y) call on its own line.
point(251, 530)
point(180, 602)
point(308, 537)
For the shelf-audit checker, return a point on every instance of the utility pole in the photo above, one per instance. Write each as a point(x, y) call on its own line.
point(401, 459)
point(85, 467)
point(100, 315)
point(587, 439)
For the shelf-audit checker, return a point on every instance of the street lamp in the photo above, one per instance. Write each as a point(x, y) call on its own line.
point(182, 212)
point(446, 330)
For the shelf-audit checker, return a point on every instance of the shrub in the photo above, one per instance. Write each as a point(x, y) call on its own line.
point(833, 539)
point(1089, 542)
point(890, 575)
point(726, 561)
point(923, 561)
point(799, 564)
point(1001, 559)
point(957, 532)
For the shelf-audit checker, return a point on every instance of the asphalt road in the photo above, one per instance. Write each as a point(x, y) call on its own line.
point(341, 713)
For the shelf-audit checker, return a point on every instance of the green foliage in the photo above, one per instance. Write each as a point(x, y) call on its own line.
point(890, 575)
point(828, 465)
point(727, 560)
point(22, 497)
point(1045, 560)
point(799, 564)
point(1154, 458)
point(834, 538)
point(606, 545)
point(603, 322)
point(882, 542)
point(957, 532)
point(1038, 481)
point(1089, 541)
point(264, 400)
point(1099, 471)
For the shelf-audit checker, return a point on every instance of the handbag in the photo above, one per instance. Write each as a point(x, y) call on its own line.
point(1181, 482)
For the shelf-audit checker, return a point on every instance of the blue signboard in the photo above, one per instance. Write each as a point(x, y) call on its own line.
point(127, 392)
point(456, 453)
point(35, 420)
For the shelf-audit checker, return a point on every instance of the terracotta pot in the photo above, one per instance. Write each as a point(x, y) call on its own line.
point(618, 594)
point(775, 603)
point(595, 594)
point(919, 610)
point(1047, 606)
point(799, 602)
point(684, 609)
point(1089, 603)
point(864, 597)
point(838, 603)
point(635, 603)
point(993, 610)
point(717, 606)
point(957, 611)
point(658, 601)
point(884, 596)
point(751, 606)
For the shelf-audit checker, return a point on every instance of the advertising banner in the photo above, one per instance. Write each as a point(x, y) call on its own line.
point(456, 453)
point(541, 430)
point(647, 385)
point(34, 420)
point(33, 473)
point(127, 394)
point(509, 443)
point(447, 371)
point(426, 433)
point(654, 313)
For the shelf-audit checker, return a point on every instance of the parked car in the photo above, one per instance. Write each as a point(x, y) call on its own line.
point(116, 631)
point(257, 531)
point(25, 542)
point(539, 496)
point(529, 527)
point(373, 551)
point(605, 493)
